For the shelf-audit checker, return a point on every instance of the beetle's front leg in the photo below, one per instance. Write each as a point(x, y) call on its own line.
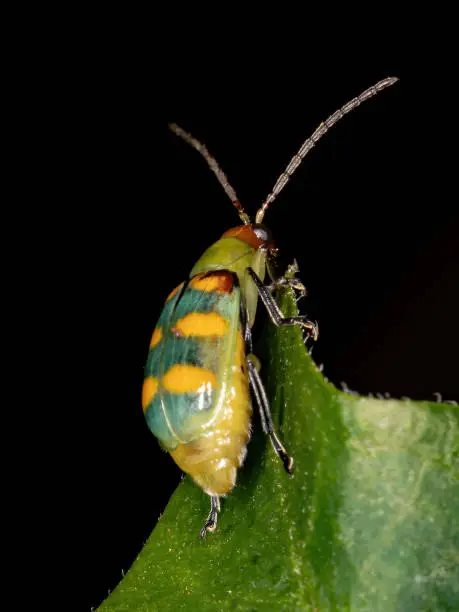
point(293, 283)
point(288, 280)
point(275, 313)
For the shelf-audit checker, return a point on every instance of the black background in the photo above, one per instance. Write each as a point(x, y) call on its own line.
point(371, 216)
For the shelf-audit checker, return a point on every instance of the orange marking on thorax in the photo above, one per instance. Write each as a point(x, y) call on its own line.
point(156, 337)
point(244, 233)
point(202, 324)
point(215, 281)
point(181, 378)
point(150, 386)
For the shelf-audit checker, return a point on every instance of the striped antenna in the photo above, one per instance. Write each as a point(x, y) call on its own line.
point(221, 176)
point(317, 135)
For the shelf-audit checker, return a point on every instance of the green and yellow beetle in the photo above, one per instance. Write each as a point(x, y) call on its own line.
point(200, 368)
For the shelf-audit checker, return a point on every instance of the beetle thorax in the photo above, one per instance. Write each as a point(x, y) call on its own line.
point(239, 248)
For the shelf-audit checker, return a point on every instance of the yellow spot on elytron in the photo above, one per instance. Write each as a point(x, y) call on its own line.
point(150, 386)
point(174, 292)
point(182, 378)
point(156, 338)
point(202, 324)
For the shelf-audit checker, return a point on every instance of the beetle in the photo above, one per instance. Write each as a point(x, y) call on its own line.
point(200, 368)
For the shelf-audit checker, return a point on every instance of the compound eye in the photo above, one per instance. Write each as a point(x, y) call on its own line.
point(262, 232)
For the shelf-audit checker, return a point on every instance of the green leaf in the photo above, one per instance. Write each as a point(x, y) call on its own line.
point(369, 520)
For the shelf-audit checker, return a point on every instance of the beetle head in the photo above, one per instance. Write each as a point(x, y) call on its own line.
point(256, 235)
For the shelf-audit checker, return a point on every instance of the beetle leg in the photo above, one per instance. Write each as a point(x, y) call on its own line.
point(211, 522)
point(283, 281)
point(265, 415)
point(293, 283)
point(275, 313)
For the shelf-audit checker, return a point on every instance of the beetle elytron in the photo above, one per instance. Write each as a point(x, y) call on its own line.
point(196, 397)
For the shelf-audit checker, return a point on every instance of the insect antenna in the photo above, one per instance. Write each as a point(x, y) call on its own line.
point(221, 176)
point(316, 136)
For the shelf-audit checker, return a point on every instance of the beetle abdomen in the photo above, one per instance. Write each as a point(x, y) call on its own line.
point(195, 395)
point(212, 460)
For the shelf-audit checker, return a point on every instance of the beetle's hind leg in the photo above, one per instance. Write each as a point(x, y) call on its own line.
point(275, 313)
point(265, 414)
point(211, 522)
